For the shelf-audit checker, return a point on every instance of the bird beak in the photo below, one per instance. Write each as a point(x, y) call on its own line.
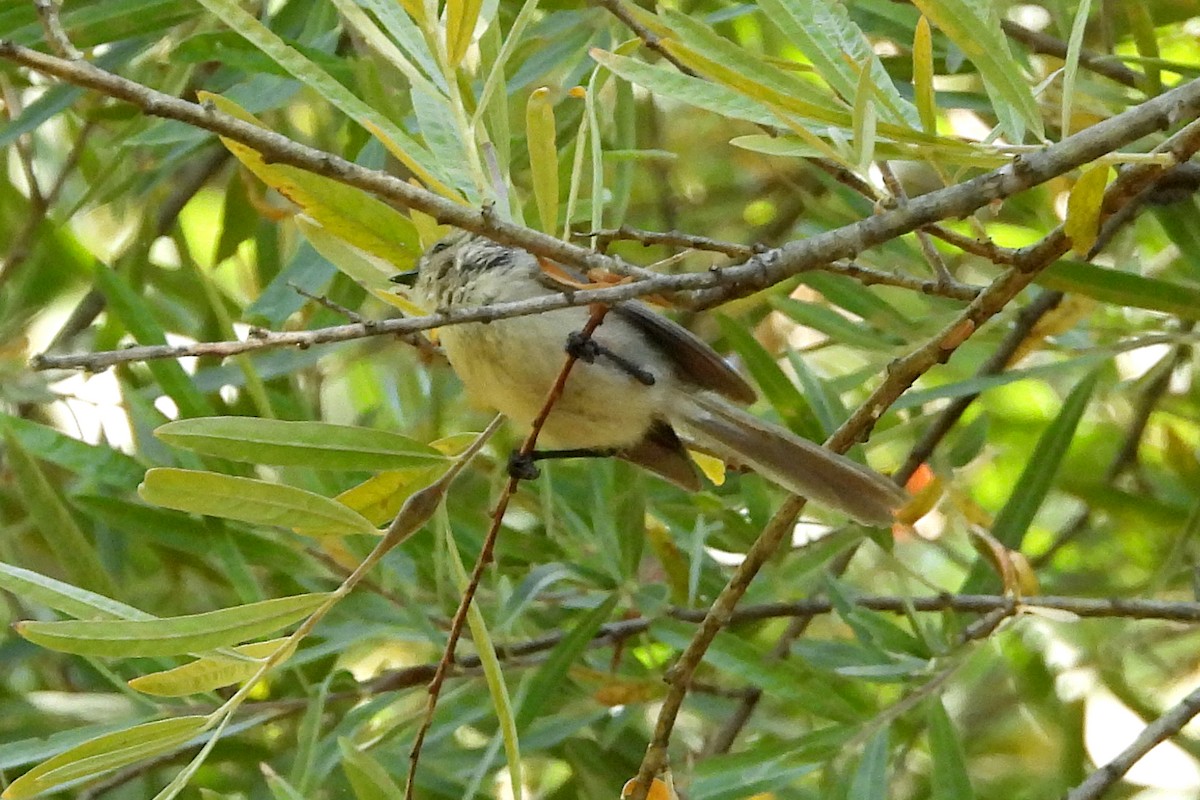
point(408, 278)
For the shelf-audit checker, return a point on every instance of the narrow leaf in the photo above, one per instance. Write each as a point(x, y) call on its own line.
point(345, 211)
point(1083, 208)
point(543, 157)
point(1123, 288)
point(1035, 481)
point(923, 76)
point(33, 587)
point(839, 51)
point(409, 152)
point(493, 672)
point(319, 445)
point(50, 514)
point(553, 671)
point(368, 778)
point(249, 500)
point(106, 753)
point(949, 779)
point(977, 33)
point(171, 636)
point(1071, 67)
point(206, 674)
point(870, 779)
point(461, 18)
point(98, 463)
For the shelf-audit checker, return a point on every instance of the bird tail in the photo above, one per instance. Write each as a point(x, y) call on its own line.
point(796, 464)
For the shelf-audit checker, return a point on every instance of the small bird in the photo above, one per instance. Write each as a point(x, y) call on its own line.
point(642, 382)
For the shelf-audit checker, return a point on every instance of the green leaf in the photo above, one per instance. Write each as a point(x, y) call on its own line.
point(1071, 65)
point(922, 55)
point(69, 544)
point(280, 788)
point(674, 85)
point(784, 397)
point(33, 587)
point(415, 157)
point(171, 636)
point(1111, 285)
point(870, 779)
point(943, 151)
point(976, 32)
point(975, 385)
point(206, 674)
point(553, 672)
point(493, 672)
point(825, 404)
point(106, 753)
point(817, 101)
point(543, 157)
point(948, 768)
point(1035, 481)
point(250, 500)
point(839, 52)
point(319, 445)
point(347, 212)
point(368, 778)
point(834, 325)
point(825, 695)
point(135, 314)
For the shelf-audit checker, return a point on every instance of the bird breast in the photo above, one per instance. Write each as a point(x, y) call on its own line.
point(511, 364)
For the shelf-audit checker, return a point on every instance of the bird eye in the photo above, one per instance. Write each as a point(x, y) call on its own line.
point(439, 247)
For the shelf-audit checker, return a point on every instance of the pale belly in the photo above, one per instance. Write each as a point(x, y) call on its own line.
point(510, 365)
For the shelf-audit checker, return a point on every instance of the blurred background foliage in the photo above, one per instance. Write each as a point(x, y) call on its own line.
point(121, 228)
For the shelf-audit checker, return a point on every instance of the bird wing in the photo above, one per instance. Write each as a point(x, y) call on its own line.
point(695, 361)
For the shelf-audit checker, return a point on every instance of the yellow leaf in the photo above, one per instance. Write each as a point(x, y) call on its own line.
point(923, 76)
point(1083, 208)
point(543, 157)
point(348, 213)
point(206, 674)
point(461, 16)
point(712, 467)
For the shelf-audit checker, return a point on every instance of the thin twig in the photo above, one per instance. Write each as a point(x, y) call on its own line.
point(759, 272)
point(985, 248)
point(996, 362)
point(932, 256)
point(56, 34)
point(901, 375)
point(486, 553)
point(1154, 734)
point(1046, 44)
point(618, 10)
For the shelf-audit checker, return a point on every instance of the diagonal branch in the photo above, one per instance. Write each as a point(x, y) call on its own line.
point(902, 373)
point(758, 272)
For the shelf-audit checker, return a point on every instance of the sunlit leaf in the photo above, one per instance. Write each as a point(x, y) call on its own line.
point(347, 212)
point(249, 500)
point(319, 445)
point(171, 636)
point(206, 674)
point(976, 31)
point(543, 157)
point(106, 753)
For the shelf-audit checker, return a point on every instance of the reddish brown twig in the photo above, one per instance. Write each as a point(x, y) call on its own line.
point(434, 689)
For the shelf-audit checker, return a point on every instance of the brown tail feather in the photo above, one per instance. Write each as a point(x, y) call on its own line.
point(798, 465)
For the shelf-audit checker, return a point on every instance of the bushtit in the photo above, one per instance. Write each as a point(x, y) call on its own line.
point(643, 382)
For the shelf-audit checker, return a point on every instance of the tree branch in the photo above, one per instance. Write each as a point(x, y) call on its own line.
point(1157, 732)
point(758, 272)
point(902, 373)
